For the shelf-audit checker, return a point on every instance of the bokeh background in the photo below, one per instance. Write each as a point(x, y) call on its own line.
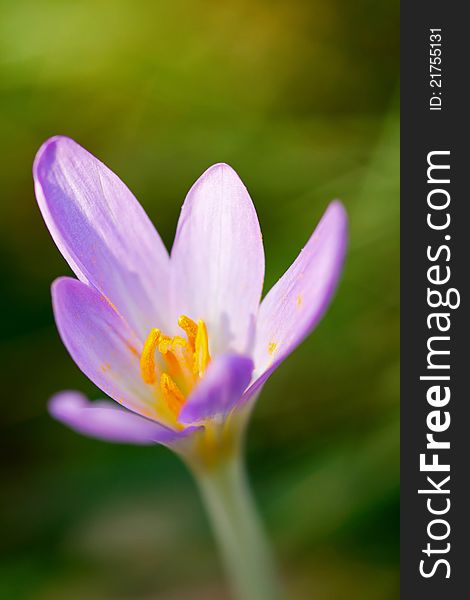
point(301, 98)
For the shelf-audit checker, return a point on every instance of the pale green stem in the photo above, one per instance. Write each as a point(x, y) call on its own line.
point(238, 532)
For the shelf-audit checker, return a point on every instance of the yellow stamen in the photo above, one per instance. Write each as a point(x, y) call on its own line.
point(165, 349)
point(184, 376)
point(178, 341)
point(171, 393)
point(201, 357)
point(164, 343)
point(147, 358)
point(190, 329)
point(182, 362)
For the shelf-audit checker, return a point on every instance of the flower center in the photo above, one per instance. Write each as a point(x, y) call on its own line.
point(173, 365)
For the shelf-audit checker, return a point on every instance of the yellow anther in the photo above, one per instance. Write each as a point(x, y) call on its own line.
point(201, 354)
point(272, 347)
point(190, 329)
point(147, 358)
point(164, 347)
point(181, 363)
point(178, 341)
point(164, 344)
point(171, 393)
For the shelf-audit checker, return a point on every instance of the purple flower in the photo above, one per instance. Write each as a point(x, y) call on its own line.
point(181, 342)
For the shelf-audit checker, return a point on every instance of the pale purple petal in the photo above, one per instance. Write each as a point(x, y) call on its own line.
point(218, 260)
point(103, 232)
point(106, 421)
point(101, 343)
point(219, 391)
point(299, 299)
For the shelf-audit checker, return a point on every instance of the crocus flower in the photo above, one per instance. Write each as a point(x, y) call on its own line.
point(181, 342)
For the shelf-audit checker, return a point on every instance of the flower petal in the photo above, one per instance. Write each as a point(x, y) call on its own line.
point(218, 260)
point(101, 343)
point(103, 232)
point(106, 421)
point(296, 303)
point(221, 388)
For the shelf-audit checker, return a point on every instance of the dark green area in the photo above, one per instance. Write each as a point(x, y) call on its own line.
point(300, 98)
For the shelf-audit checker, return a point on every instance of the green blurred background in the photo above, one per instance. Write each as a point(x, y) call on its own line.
point(300, 97)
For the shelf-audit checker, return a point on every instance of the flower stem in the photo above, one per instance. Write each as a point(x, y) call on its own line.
point(238, 532)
